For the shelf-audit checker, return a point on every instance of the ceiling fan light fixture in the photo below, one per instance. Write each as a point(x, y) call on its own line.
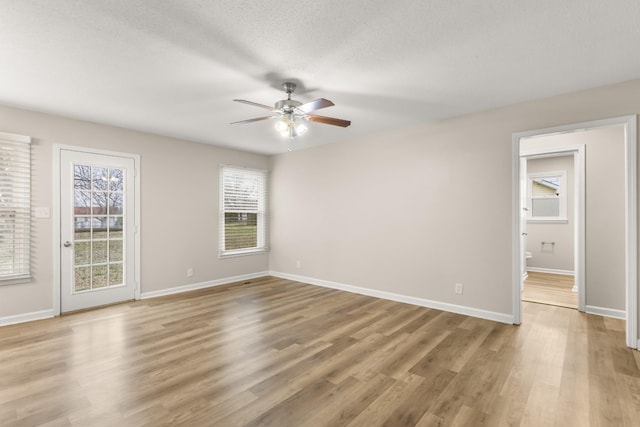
point(288, 127)
point(300, 128)
point(282, 126)
point(290, 114)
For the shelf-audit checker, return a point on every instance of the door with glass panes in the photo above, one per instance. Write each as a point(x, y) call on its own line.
point(97, 229)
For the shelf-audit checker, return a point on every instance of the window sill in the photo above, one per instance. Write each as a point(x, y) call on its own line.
point(15, 280)
point(242, 252)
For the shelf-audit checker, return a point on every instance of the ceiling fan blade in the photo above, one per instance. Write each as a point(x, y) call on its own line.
point(329, 120)
point(257, 119)
point(316, 104)
point(255, 104)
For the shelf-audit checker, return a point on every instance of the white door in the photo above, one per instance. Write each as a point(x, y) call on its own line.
point(97, 229)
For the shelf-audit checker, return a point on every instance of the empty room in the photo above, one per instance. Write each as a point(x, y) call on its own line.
point(230, 213)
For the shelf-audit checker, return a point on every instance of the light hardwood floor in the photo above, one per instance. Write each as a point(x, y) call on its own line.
point(546, 288)
point(274, 352)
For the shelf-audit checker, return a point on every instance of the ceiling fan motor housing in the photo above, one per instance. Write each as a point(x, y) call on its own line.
point(289, 87)
point(287, 105)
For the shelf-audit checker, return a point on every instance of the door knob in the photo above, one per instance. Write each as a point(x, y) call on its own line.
point(524, 234)
point(66, 244)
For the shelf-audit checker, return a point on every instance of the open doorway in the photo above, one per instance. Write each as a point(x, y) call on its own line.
point(552, 175)
point(620, 279)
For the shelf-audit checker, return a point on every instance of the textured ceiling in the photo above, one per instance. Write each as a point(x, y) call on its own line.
point(173, 67)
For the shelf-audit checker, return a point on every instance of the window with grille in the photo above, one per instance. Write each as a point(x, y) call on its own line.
point(15, 208)
point(243, 215)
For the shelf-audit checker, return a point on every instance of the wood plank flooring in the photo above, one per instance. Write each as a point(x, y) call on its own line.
point(274, 352)
point(547, 288)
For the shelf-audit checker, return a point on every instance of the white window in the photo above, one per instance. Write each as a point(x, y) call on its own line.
point(15, 208)
point(243, 211)
point(548, 196)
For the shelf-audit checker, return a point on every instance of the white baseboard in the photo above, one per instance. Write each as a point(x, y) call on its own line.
point(459, 309)
point(26, 317)
point(47, 314)
point(606, 312)
point(201, 285)
point(550, 270)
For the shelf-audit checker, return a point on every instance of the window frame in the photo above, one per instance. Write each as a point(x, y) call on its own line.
point(562, 216)
point(262, 220)
point(18, 207)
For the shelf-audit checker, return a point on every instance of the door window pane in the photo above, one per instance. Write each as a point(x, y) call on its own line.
point(82, 177)
point(100, 179)
point(98, 227)
point(115, 204)
point(115, 226)
point(99, 279)
point(82, 202)
point(116, 180)
point(98, 251)
point(115, 274)
point(82, 227)
point(82, 278)
point(83, 253)
point(99, 203)
point(115, 250)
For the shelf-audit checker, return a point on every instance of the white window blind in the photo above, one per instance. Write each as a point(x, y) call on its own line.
point(243, 214)
point(15, 207)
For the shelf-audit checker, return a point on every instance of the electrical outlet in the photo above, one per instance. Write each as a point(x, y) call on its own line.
point(190, 272)
point(459, 288)
point(298, 264)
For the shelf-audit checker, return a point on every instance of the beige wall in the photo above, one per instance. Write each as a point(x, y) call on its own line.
point(604, 211)
point(394, 212)
point(179, 205)
point(560, 255)
point(399, 212)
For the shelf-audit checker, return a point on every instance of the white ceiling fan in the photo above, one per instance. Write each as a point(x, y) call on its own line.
point(290, 114)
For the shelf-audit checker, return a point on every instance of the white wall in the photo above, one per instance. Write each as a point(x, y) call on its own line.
point(179, 206)
point(400, 212)
point(560, 255)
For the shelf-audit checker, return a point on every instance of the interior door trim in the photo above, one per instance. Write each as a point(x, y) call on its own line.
point(631, 215)
point(56, 217)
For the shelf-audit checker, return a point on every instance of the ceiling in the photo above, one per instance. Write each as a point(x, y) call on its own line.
point(173, 67)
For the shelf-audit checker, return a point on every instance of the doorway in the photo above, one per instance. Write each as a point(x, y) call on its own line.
point(628, 268)
point(553, 225)
point(97, 218)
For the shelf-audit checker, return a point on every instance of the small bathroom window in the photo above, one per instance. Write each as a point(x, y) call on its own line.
point(547, 197)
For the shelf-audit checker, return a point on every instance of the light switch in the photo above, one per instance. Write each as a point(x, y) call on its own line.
point(42, 212)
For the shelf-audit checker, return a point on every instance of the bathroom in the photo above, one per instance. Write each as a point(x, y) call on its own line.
point(551, 230)
point(574, 217)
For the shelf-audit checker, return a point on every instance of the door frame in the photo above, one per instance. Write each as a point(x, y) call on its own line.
point(631, 215)
point(56, 214)
point(577, 153)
